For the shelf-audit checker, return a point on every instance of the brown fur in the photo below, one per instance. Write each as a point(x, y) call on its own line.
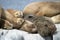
point(23, 25)
point(6, 24)
point(15, 13)
point(44, 25)
point(1, 12)
point(43, 8)
point(9, 21)
point(16, 25)
point(9, 17)
point(29, 27)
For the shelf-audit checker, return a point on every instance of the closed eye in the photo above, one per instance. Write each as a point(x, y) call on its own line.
point(30, 16)
point(46, 25)
point(16, 13)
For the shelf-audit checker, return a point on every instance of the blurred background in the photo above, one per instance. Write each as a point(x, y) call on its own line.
point(18, 4)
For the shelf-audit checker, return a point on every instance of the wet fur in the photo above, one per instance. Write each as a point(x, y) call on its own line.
point(44, 25)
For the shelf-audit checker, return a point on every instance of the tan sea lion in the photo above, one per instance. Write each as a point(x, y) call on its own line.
point(15, 13)
point(22, 25)
point(43, 8)
point(11, 22)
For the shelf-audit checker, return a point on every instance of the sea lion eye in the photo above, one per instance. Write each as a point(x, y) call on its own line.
point(16, 13)
point(30, 16)
point(46, 25)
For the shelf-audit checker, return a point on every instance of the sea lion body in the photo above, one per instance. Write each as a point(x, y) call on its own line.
point(43, 8)
point(44, 25)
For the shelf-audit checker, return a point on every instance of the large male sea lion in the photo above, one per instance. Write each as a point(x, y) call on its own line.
point(43, 8)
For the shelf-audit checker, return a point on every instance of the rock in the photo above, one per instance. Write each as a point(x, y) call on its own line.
point(12, 34)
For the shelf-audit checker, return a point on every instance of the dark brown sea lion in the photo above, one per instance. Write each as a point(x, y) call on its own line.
point(44, 25)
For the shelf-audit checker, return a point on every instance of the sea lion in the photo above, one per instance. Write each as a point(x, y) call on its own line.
point(15, 13)
point(24, 25)
point(43, 8)
point(44, 25)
